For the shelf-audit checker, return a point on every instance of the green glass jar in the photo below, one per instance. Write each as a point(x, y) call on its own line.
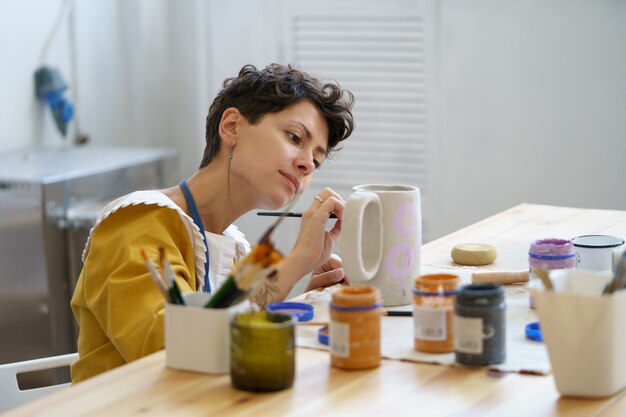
point(262, 351)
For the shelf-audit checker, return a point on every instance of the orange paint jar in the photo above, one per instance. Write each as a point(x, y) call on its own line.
point(354, 337)
point(433, 312)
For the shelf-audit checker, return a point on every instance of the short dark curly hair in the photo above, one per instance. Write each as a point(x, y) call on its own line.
point(258, 92)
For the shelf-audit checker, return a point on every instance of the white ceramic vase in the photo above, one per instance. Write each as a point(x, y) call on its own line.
point(381, 239)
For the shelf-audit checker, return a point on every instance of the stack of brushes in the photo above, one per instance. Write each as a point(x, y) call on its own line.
point(261, 263)
point(168, 287)
point(246, 275)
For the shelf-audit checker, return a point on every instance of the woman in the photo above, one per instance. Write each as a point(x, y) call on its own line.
point(267, 131)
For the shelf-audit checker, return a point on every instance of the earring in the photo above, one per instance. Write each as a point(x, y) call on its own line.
point(230, 158)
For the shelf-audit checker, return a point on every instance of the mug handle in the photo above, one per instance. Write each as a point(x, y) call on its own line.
point(361, 240)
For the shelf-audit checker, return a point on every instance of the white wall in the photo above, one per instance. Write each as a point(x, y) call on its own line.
point(531, 100)
point(139, 79)
point(24, 26)
point(532, 93)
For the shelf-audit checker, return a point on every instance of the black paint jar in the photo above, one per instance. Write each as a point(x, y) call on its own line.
point(479, 325)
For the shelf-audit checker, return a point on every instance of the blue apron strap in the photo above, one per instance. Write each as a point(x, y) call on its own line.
point(195, 215)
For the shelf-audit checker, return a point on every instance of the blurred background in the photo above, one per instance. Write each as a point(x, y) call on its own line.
point(482, 104)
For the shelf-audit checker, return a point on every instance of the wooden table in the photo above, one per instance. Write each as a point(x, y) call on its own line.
point(147, 387)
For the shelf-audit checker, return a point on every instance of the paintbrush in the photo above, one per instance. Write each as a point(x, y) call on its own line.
point(289, 214)
point(172, 288)
point(260, 263)
point(388, 313)
point(619, 280)
point(543, 275)
point(156, 276)
point(268, 233)
point(398, 313)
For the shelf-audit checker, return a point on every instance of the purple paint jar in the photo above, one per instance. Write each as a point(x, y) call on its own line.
point(550, 254)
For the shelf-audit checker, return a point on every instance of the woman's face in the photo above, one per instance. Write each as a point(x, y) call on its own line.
point(276, 156)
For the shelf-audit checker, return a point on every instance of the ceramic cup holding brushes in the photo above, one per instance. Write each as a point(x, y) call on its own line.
point(197, 338)
point(583, 328)
point(197, 331)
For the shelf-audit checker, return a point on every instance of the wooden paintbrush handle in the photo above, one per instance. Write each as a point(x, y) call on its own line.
point(500, 277)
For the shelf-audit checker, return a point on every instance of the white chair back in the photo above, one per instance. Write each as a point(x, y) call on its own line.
point(10, 393)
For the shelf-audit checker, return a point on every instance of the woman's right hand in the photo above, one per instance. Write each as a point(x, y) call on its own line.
point(314, 243)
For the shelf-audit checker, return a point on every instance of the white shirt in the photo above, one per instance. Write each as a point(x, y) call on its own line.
point(224, 249)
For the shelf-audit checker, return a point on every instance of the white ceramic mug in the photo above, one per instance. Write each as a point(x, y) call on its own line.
point(597, 252)
point(381, 239)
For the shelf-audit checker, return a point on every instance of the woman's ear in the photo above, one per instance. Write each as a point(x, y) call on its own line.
point(229, 126)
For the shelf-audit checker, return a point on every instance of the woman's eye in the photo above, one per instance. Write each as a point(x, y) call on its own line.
point(317, 164)
point(294, 138)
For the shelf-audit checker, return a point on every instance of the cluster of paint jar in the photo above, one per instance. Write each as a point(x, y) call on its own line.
point(262, 343)
point(469, 321)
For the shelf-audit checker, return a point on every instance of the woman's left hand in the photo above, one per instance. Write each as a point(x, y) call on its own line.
point(328, 274)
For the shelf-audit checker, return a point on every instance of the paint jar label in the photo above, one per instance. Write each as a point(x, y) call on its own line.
point(468, 333)
point(339, 335)
point(430, 323)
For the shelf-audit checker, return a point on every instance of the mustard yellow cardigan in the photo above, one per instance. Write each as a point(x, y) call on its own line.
point(117, 305)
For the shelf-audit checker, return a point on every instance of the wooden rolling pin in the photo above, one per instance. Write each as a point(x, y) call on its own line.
point(500, 277)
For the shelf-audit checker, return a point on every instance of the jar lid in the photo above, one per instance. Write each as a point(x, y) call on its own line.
point(436, 285)
point(533, 331)
point(322, 335)
point(301, 311)
point(597, 241)
point(481, 294)
point(355, 296)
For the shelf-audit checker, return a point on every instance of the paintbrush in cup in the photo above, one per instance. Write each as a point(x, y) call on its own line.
point(261, 263)
point(543, 275)
point(172, 286)
point(156, 276)
point(619, 280)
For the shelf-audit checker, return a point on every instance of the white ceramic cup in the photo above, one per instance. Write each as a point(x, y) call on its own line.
point(584, 333)
point(597, 252)
point(197, 338)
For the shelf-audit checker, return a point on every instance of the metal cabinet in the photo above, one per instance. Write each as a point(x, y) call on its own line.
point(49, 199)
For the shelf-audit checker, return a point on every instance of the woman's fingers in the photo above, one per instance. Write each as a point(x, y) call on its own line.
point(326, 279)
point(329, 202)
point(333, 262)
point(328, 274)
